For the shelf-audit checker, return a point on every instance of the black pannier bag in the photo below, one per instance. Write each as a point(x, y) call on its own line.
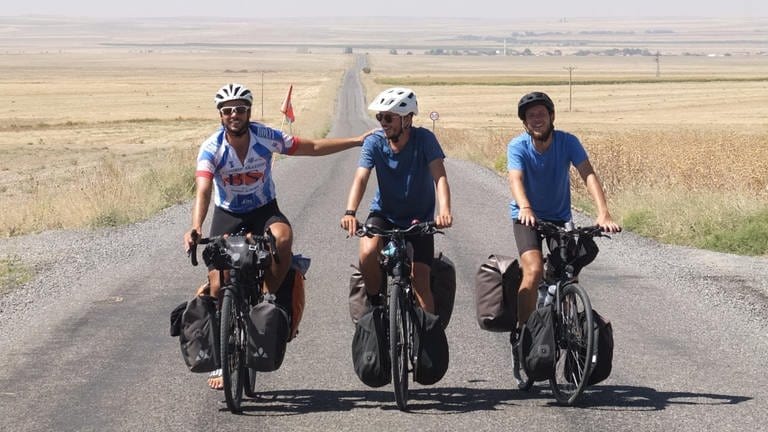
point(268, 332)
point(199, 335)
point(580, 253)
point(431, 348)
point(370, 353)
point(496, 285)
point(442, 283)
point(601, 368)
point(176, 314)
point(537, 344)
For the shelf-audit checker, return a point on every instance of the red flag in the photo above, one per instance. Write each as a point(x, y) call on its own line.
point(287, 108)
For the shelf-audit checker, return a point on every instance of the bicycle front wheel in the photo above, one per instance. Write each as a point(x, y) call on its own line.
point(574, 339)
point(398, 343)
point(232, 351)
point(249, 382)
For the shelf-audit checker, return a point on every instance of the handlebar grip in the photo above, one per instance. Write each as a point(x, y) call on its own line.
point(193, 250)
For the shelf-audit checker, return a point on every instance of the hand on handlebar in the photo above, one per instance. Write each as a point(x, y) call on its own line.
point(349, 224)
point(527, 217)
point(607, 224)
point(444, 220)
point(191, 238)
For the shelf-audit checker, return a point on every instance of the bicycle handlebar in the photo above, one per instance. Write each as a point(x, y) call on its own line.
point(549, 229)
point(421, 228)
point(250, 238)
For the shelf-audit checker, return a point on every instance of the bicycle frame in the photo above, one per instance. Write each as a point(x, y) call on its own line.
point(572, 332)
point(242, 260)
point(396, 262)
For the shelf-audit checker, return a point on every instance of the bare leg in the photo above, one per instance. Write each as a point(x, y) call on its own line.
point(421, 274)
point(284, 241)
point(533, 270)
point(369, 264)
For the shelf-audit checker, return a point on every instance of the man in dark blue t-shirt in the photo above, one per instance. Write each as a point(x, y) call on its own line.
point(409, 168)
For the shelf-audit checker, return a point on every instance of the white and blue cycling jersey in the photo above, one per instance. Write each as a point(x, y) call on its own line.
point(243, 187)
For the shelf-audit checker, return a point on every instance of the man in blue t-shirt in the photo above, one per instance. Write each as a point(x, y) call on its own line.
point(409, 168)
point(538, 162)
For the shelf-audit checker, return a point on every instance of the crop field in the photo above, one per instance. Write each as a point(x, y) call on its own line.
point(102, 111)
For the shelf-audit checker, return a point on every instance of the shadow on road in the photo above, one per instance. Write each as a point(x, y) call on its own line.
point(648, 399)
point(455, 400)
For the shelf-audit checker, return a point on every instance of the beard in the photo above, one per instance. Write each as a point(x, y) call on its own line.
point(542, 135)
point(234, 130)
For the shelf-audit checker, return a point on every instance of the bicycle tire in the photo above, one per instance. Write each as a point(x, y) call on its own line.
point(232, 359)
point(574, 345)
point(249, 382)
point(398, 343)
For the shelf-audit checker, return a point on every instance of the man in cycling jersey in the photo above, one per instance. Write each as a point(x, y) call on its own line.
point(235, 165)
point(409, 168)
point(538, 161)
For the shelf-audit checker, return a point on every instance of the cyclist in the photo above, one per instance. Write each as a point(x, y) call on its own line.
point(409, 168)
point(538, 161)
point(235, 164)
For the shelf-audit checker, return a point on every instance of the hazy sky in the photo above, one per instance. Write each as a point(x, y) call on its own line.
point(421, 8)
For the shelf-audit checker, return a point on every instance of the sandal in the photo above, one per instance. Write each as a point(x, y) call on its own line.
point(215, 380)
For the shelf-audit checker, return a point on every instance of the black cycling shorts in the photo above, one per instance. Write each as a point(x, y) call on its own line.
point(423, 246)
point(527, 238)
point(256, 221)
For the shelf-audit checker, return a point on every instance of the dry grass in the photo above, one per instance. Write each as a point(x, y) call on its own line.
point(86, 138)
point(93, 121)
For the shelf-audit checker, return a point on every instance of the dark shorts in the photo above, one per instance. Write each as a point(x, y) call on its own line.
point(256, 221)
point(527, 238)
point(423, 246)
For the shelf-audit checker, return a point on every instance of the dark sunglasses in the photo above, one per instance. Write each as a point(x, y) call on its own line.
point(240, 109)
point(386, 117)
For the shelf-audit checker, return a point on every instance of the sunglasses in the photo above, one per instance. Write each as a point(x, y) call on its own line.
point(240, 109)
point(386, 117)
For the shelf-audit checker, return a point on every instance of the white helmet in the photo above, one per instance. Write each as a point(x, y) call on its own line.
point(231, 92)
point(398, 100)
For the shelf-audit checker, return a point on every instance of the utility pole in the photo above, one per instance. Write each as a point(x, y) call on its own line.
point(658, 64)
point(570, 86)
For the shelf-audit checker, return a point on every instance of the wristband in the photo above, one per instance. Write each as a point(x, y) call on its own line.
point(350, 213)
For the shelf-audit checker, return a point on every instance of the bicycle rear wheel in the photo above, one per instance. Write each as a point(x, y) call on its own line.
point(398, 343)
point(574, 341)
point(232, 351)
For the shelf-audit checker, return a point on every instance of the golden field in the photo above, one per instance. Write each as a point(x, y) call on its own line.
point(92, 105)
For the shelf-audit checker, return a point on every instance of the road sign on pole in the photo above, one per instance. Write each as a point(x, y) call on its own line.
point(434, 116)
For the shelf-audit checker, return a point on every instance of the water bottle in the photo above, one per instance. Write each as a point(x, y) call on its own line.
point(542, 294)
point(550, 298)
point(389, 250)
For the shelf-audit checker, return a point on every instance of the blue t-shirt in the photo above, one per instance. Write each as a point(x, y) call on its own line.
point(406, 187)
point(546, 176)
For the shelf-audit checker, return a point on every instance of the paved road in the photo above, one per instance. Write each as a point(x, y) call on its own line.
point(85, 346)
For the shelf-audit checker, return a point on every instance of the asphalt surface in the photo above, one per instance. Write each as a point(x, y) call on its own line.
point(85, 345)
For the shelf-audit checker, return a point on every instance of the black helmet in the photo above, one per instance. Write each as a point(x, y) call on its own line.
point(531, 99)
